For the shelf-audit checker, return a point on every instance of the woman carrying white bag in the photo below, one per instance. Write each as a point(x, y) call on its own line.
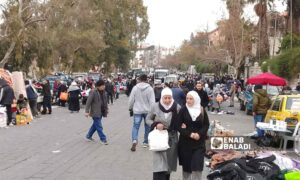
point(162, 118)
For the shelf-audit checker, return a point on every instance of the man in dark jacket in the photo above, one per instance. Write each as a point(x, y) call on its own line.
point(109, 88)
point(178, 94)
point(47, 97)
point(96, 107)
point(6, 98)
point(261, 104)
point(32, 98)
point(203, 94)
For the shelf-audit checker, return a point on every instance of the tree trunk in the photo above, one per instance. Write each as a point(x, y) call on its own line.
point(263, 38)
point(295, 28)
point(7, 54)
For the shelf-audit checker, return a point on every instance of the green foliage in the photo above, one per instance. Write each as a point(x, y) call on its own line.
point(204, 68)
point(287, 64)
point(76, 34)
point(286, 42)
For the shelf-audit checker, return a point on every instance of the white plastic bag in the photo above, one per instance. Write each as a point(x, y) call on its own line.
point(3, 117)
point(158, 140)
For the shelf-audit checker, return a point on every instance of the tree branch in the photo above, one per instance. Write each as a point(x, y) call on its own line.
point(34, 21)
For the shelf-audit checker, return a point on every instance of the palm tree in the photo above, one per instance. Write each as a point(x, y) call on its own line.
point(293, 9)
point(261, 8)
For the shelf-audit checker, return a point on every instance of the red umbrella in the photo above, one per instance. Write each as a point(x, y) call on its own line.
point(267, 79)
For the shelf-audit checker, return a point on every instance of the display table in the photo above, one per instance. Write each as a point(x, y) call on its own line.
point(279, 132)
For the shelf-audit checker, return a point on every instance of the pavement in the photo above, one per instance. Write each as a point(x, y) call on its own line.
point(54, 147)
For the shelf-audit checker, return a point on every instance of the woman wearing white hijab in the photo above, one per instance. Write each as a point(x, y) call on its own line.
point(193, 126)
point(163, 115)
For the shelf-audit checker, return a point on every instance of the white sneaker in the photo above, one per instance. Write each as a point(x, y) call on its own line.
point(145, 145)
point(220, 112)
point(213, 112)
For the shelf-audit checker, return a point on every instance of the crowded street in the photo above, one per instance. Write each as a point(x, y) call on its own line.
point(54, 147)
point(149, 90)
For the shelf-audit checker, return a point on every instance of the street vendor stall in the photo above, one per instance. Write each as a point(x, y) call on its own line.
point(257, 163)
point(267, 79)
point(24, 116)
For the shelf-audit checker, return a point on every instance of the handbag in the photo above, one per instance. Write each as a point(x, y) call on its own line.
point(158, 140)
point(63, 96)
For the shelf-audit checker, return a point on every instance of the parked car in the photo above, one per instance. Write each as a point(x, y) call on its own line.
point(123, 86)
point(246, 97)
point(246, 101)
point(285, 108)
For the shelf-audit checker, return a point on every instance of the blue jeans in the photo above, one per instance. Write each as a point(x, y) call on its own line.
point(259, 118)
point(137, 120)
point(97, 126)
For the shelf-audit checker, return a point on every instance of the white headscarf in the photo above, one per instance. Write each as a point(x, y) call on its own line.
point(195, 110)
point(166, 92)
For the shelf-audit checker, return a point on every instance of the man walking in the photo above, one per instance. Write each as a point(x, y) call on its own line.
point(109, 88)
point(96, 107)
point(232, 93)
point(178, 94)
point(202, 94)
point(47, 97)
point(140, 101)
point(261, 104)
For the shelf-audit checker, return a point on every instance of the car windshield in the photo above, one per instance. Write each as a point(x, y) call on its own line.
point(293, 103)
point(272, 90)
point(160, 74)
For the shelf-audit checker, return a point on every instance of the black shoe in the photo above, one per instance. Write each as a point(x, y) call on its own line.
point(43, 112)
point(50, 112)
point(133, 147)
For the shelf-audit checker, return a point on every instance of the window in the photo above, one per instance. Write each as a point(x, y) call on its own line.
point(276, 105)
point(293, 103)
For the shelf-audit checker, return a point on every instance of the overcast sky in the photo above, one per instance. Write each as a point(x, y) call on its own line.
point(172, 21)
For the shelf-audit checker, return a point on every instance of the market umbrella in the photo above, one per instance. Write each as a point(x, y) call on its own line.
point(267, 79)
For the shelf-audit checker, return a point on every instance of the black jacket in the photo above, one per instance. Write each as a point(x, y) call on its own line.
point(7, 94)
point(46, 90)
point(109, 88)
point(199, 126)
point(61, 88)
point(204, 97)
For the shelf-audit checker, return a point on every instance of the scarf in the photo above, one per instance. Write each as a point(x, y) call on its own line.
point(194, 110)
point(73, 88)
point(167, 109)
point(173, 110)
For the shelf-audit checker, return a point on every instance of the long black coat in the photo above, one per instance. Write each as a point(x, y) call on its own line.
point(203, 96)
point(74, 104)
point(188, 148)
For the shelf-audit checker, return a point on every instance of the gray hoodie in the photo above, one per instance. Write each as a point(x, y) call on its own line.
point(141, 98)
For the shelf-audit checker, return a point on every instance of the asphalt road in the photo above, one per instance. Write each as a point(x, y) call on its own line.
point(54, 147)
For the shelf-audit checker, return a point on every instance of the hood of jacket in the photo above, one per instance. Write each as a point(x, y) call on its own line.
point(142, 86)
point(261, 92)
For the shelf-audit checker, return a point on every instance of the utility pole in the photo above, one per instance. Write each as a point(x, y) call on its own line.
point(291, 24)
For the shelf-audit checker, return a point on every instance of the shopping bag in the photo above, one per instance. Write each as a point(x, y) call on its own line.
point(3, 117)
point(63, 96)
point(158, 140)
point(219, 98)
